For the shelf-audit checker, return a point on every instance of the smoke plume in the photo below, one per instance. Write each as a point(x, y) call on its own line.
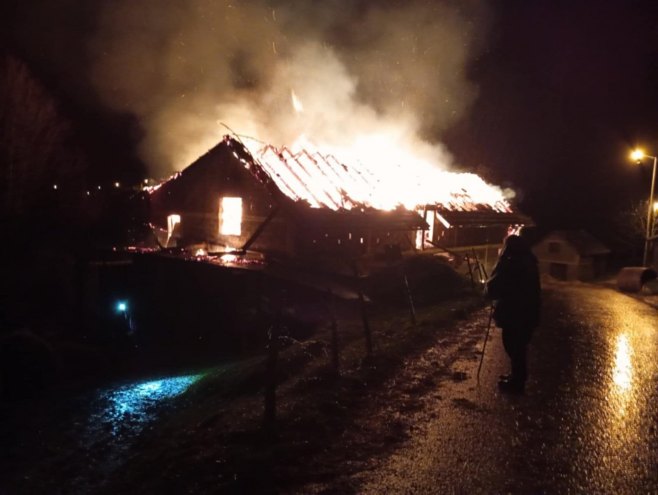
point(387, 73)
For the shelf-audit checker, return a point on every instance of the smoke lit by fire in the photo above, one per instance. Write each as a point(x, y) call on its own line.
point(370, 77)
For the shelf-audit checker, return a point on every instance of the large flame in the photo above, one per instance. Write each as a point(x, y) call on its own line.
point(373, 173)
point(382, 169)
point(230, 216)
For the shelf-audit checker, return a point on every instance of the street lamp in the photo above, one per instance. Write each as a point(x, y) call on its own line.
point(638, 155)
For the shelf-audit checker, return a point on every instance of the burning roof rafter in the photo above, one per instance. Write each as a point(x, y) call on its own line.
point(324, 181)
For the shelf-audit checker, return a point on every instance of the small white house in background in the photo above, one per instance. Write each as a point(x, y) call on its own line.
point(571, 255)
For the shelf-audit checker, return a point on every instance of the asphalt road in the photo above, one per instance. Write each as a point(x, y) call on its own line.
point(588, 422)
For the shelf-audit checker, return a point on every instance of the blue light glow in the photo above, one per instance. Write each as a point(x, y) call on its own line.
point(122, 306)
point(132, 406)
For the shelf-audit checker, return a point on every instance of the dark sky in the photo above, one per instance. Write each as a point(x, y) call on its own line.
point(51, 37)
point(564, 90)
point(567, 88)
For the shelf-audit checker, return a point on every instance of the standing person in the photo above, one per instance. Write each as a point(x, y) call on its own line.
point(514, 286)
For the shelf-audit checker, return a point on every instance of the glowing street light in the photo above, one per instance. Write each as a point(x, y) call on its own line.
point(638, 155)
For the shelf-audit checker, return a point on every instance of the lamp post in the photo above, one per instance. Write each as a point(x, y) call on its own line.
point(638, 155)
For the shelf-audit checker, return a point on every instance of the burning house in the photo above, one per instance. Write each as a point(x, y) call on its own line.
point(260, 219)
point(309, 205)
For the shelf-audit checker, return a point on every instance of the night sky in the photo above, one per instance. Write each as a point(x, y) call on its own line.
point(567, 88)
point(562, 91)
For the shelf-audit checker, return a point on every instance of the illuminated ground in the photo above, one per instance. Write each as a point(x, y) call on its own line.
point(135, 405)
point(587, 424)
point(396, 424)
point(162, 430)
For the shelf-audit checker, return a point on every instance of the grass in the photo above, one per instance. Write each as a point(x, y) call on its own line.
point(212, 439)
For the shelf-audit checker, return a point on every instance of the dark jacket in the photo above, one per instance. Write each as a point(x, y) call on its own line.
point(514, 286)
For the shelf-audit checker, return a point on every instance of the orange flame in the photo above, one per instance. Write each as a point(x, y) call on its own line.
point(373, 175)
point(230, 216)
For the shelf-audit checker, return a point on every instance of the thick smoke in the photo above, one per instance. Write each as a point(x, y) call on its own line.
point(377, 72)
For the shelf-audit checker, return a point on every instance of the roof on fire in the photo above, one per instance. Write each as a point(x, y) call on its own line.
point(323, 181)
point(326, 185)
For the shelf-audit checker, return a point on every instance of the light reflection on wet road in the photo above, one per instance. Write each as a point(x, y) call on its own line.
point(587, 424)
point(618, 442)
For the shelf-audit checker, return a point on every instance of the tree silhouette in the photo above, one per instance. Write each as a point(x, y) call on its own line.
point(40, 166)
point(630, 226)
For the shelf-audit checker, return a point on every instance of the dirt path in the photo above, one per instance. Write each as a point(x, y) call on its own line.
point(404, 406)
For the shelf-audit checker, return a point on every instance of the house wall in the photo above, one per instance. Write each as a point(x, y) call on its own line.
point(350, 242)
point(586, 269)
point(560, 260)
point(196, 197)
point(277, 237)
point(565, 253)
point(284, 234)
point(204, 226)
point(465, 236)
point(255, 209)
point(482, 242)
point(593, 267)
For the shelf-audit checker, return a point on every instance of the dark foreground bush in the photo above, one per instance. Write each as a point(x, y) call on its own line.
point(27, 365)
point(430, 279)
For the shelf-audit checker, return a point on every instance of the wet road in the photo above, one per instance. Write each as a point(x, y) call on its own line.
point(587, 424)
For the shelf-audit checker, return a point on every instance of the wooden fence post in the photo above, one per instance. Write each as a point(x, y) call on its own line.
point(364, 312)
point(335, 357)
point(269, 418)
point(407, 289)
point(470, 270)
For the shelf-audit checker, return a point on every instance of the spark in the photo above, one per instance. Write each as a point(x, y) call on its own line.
point(296, 102)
